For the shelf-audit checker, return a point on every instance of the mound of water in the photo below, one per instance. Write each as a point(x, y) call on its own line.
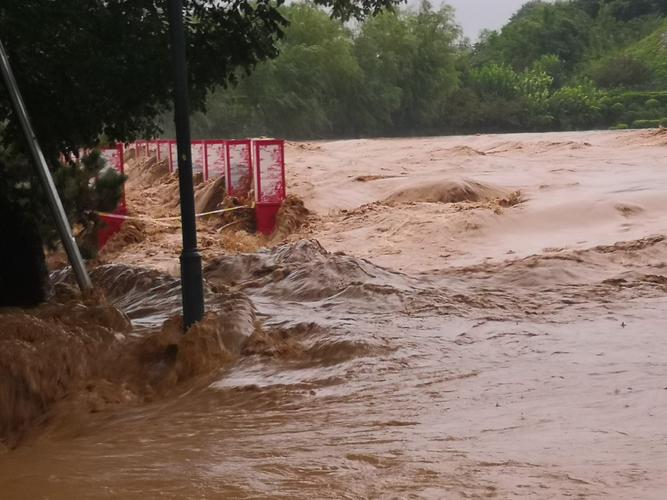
point(74, 355)
point(459, 150)
point(126, 340)
point(446, 191)
point(305, 271)
point(548, 146)
point(147, 296)
point(146, 172)
point(44, 352)
point(538, 147)
point(292, 216)
point(586, 273)
point(211, 195)
point(653, 137)
point(131, 232)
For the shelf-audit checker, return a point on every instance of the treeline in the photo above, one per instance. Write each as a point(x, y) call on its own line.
point(567, 65)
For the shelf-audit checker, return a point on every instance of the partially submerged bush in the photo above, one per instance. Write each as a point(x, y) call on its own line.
point(648, 123)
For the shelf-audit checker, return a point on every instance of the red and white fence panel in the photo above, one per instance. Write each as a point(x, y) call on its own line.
point(198, 157)
point(162, 150)
point(114, 157)
point(173, 157)
point(245, 164)
point(269, 178)
point(142, 148)
point(269, 171)
point(239, 168)
point(152, 148)
point(214, 152)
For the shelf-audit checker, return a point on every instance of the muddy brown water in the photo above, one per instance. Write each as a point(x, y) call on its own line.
point(319, 375)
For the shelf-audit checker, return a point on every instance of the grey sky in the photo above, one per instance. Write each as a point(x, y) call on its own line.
point(475, 15)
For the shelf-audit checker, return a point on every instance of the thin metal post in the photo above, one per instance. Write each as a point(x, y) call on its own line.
point(192, 288)
point(45, 175)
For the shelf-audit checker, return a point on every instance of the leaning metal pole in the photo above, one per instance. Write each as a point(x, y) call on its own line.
point(192, 287)
point(45, 175)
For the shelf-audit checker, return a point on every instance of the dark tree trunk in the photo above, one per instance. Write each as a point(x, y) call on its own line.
point(23, 272)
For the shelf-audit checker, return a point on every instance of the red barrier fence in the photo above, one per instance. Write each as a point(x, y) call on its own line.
point(173, 157)
point(141, 148)
point(239, 168)
point(269, 171)
point(198, 157)
point(114, 156)
point(152, 148)
point(162, 150)
point(214, 152)
point(269, 183)
point(245, 164)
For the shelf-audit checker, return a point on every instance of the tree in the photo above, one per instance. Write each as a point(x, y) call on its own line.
point(90, 69)
point(410, 72)
point(393, 74)
point(94, 68)
point(22, 264)
point(538, 29)
point(385, 49)
point(434, 69)
point(409, 67)
point(590, 7)
point(305, 92)
point(631, 9)
point(575, 108)
point(511, 100)
point(621, 71)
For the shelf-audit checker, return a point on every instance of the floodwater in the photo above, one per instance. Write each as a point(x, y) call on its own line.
point(319, 374)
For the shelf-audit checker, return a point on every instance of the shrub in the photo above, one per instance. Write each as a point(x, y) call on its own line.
point(646, 123)
point(575, 107)
point(631, 116)
point(652, 104)
point(617, 108)
point(495, 80)
point(621, 71)
point(551, 65)
point(639, 98)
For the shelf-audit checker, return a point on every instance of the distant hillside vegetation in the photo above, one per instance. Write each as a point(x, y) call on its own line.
point(563, 65)
point(652, 51)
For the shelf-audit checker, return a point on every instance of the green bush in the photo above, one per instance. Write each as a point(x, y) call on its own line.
point(575, 107)
point(636, 107)
point(617, 108)
point(551, 65)
point(646, 123)
point(621, 71)
point(620, 126)
point(496, 80)
point(631, 116)
point(652, 103)
point(639, 98)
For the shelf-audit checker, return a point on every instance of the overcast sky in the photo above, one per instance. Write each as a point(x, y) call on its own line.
point(476, 15)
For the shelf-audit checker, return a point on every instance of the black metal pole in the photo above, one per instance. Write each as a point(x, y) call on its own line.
point(192, 287)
